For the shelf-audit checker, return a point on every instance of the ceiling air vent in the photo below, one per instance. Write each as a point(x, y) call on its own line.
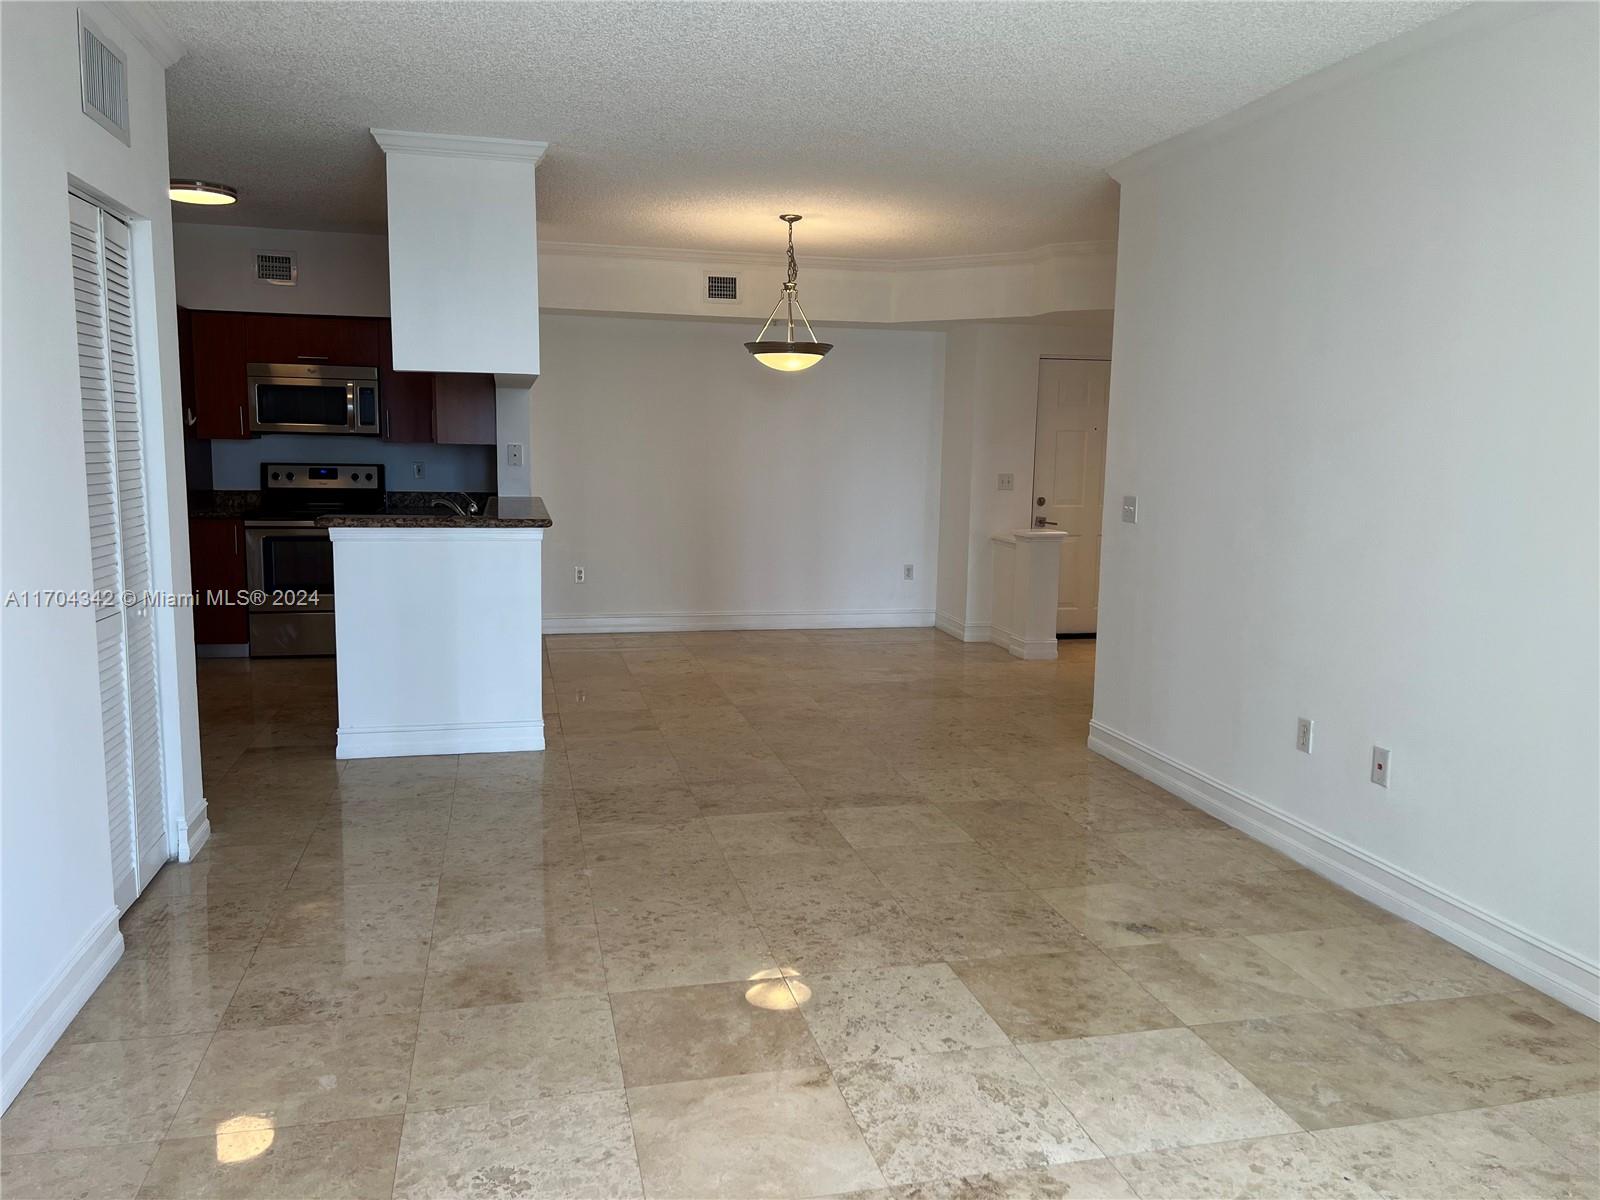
point(722, 289)
point(103, 80)
point(276, 266)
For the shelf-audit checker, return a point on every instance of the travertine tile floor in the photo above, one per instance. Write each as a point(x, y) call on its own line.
point(776, 914)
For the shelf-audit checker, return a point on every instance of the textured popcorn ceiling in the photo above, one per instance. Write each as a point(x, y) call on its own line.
point(899, 130)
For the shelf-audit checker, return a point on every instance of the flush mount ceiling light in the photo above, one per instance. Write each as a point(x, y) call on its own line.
point(788, 355)
point(198, 191)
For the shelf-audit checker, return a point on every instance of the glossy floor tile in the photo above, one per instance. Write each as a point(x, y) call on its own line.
point(776, 1133)
point(845, 913)
point(1155, 1090)
point(965, 1112)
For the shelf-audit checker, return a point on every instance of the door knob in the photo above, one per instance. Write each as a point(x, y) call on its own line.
point(1041, 522)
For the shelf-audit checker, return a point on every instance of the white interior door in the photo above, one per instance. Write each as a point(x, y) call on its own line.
point(1069, 468)
point(113, 449)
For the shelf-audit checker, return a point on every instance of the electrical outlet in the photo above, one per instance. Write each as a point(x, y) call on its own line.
point(1130, 510)
point(513, 454)
point(577, 574)
point(910, 571)
point(418, 470)
point(1008, 482)
point(1380, 766)
point(1302, 735)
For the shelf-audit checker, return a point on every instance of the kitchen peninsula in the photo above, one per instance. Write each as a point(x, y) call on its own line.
point(438, 627)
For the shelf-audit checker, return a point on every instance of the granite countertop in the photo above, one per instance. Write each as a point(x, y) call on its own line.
point(224, 505)
point(502, 512)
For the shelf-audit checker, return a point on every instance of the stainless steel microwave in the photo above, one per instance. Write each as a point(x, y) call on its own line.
point(313, 398)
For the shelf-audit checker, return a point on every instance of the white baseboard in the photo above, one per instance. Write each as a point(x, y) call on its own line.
point(193, 834)
point(962, 632)
point(46, 1019)
point(406, 741)
point(1516, 951)
point(1014, 644)
point(862, 618)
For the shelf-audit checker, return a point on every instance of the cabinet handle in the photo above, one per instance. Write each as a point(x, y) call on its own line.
point(189, 418)
point(235, 539)
point(386, 425)
point(311, 357)
point(241, 422)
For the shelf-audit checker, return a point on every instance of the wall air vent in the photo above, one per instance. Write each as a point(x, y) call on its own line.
point(722, 289)
point(103, 80)
point(276, 267)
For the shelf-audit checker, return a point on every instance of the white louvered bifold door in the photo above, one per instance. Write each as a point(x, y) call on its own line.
point(119, 546)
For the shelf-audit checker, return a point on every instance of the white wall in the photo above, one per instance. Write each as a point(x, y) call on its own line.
point(340, 274)
point(991, 411)
point(1355, 391)
point(1071, 277)
point(57, 920)
point(697, 487)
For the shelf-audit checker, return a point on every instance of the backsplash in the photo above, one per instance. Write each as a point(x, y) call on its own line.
point(236, 465)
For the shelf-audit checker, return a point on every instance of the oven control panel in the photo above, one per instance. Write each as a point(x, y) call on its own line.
point(322, 476)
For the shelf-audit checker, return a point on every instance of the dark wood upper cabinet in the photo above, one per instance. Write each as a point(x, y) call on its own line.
point(186, 368)
point(289, 338)
point(406, 396)
point(417, 406)
point(217, 373)
point(463, 409)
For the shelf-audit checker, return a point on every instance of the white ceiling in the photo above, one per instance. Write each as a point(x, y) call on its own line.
point(898, 129)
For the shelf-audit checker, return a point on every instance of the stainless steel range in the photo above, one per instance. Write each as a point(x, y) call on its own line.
point(290, 560)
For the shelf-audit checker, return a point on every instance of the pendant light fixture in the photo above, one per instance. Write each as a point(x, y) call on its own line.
point(198, 191)
point(788, 355)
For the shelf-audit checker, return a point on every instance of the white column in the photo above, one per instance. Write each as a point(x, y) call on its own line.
point(463, 252)
point(1027, 588)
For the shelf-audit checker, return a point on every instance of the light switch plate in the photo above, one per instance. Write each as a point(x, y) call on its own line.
point(1130, 510)
point(513, 454)
point(1008, 482)
point(1380, 766)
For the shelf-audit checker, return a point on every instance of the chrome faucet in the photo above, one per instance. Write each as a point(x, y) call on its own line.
point(446, 502)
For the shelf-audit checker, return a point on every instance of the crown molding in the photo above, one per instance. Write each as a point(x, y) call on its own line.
point(146, 23)
point(758, 260)
point(1463, 22)
point(457, 145)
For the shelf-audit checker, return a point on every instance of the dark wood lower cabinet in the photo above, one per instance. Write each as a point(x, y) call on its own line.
point(216, 565)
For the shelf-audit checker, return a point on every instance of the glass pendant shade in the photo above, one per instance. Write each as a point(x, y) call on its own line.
point(788, 356)
point(198, 191)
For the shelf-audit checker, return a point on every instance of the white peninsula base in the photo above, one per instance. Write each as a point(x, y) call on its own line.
point(438, 634)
